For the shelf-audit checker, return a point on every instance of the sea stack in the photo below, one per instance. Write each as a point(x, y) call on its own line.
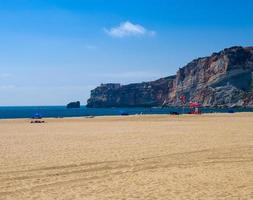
point(73, 105)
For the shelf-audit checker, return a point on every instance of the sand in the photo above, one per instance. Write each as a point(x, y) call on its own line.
point(133, 157)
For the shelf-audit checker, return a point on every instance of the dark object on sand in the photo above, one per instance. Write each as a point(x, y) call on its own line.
point(124, 113)
point(231, 111)
point(174, 113)
point(74, 104)
point(90, 117)
point(37, 121)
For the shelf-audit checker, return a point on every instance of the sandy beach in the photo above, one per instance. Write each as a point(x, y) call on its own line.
point(133, 157)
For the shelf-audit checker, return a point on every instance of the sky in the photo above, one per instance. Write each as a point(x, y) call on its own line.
point(55, 51)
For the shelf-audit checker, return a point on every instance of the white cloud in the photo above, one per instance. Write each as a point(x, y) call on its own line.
point(126, 29)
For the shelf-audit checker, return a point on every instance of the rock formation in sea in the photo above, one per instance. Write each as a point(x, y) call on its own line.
point(74, 104)
point(224, 79)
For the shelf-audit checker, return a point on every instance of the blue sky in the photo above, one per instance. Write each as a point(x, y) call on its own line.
point(56, 51)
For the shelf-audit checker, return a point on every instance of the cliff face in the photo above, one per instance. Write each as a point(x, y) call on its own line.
point(223, 79)
point(147, 94)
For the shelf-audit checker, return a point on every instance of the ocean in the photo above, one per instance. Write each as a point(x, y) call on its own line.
point(62, 111)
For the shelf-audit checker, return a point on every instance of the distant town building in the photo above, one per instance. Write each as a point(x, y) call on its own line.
point(111, 85)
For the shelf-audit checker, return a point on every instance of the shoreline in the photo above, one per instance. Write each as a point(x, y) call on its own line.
point(132, 116)
point(61, 111)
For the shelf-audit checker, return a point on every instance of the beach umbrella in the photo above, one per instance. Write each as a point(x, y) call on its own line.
point(183, 101)
point(195, 104)
point(37, 116)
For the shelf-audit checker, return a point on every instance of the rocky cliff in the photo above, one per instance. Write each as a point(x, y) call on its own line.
point(144, 94)
point(220, 80)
